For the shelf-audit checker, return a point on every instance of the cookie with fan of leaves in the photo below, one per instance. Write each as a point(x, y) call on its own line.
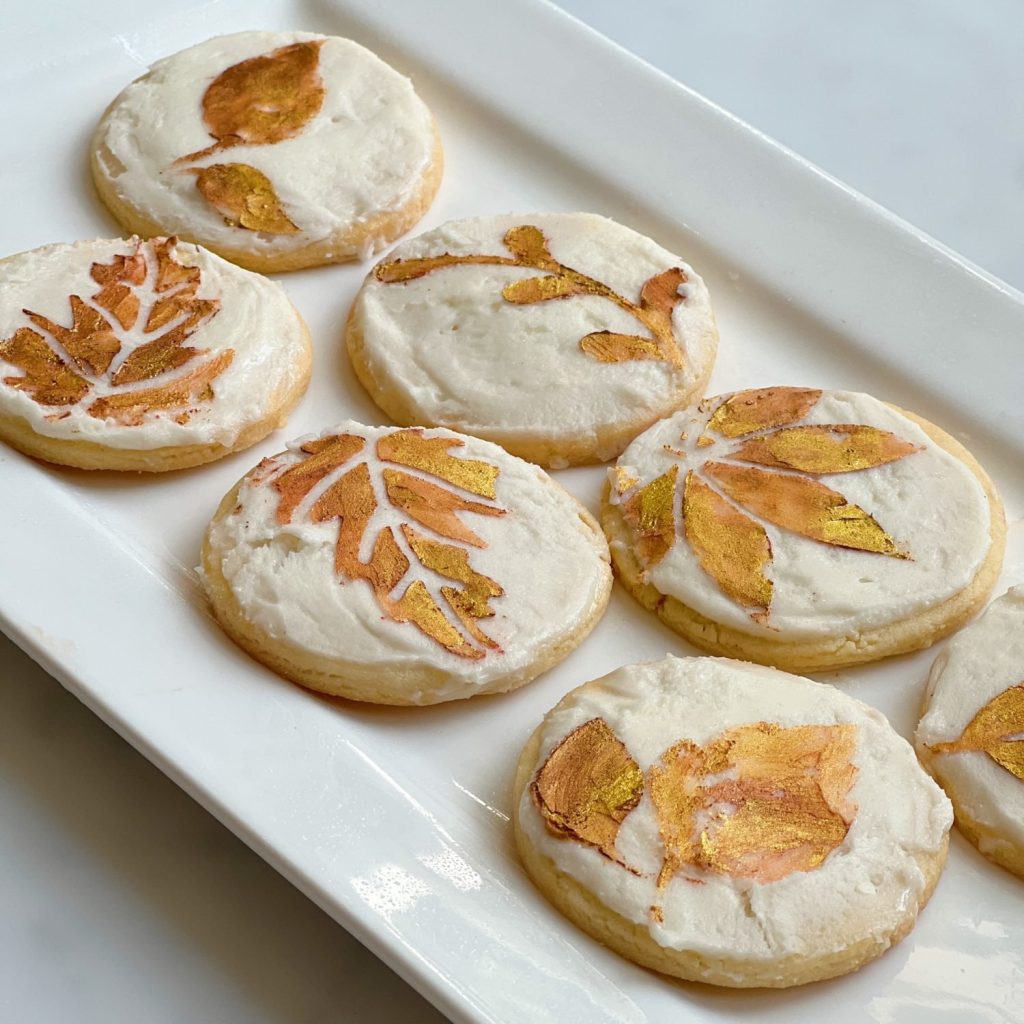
point(143, 355)
point(728, 823)
point(404, 566)
point(559, 336)
point(277, 150)
point(804, 529)
point(971, 733)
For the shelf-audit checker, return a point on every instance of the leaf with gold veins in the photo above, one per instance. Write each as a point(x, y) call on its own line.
point(804, 506)
point(245, 198)
point(731, 547)
point(825, 448)
point(587, 786)
point(651, 513)
point(760, 802)
point(997, 730)
point(750, 411)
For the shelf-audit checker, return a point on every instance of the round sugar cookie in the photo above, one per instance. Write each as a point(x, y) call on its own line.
point(404, 566)
point(728, 823)
point(559, 336)
point(277, 150)
point(971, 734)
point(155, 355)
point(804, 529)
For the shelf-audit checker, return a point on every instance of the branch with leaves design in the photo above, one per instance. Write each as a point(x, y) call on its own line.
point(529, 248)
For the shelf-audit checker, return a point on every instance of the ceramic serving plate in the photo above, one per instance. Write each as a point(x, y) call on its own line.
point(396, 821)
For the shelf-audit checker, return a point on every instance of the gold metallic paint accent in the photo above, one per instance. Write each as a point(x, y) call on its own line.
point(825, 448)
point(327, 455)
point(623, 481)
point(587, 786)
point(46, 378)
point(90, 341)
point(435, 507)
point(748, 411)
point(731, 547)
point(651, 513)
point(430, 454)
point(997, 730)
point(244, 197)
point(169, 272)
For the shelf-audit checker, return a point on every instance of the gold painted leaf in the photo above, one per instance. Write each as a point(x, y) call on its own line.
point(749, 411)
point(759, 802)
point(89, 341)
point(997, 730)
point(244, 197)
point(587, 787)
point(609, 347)
point(804, 506)
point(651, 513)
point(527, 242)
point(827, 448)
point(539, 289)
point(401, 555)
point(46, 378)
point(660, 294)
point(732, 548)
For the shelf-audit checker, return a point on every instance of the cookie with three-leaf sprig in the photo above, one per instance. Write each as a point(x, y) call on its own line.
point(803, 528)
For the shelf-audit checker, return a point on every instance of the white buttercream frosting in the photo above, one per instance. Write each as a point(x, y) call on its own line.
point(929, 502)
point(977, 665)
point(452, 348)
point(551, 565)
point(364, 152)
point(255, 320)
point(864, 886)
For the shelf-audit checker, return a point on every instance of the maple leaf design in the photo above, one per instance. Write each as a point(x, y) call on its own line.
point(528, 247)
point(125, 354)
point(257, 102)
point(407, 512)
point(996, 730)
point(768, 472)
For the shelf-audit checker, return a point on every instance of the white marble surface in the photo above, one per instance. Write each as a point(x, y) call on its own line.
point(122, 899)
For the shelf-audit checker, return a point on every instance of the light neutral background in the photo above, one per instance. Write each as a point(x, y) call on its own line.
point(121, 899)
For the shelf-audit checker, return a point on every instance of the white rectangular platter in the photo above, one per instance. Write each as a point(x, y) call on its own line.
point(396, 821)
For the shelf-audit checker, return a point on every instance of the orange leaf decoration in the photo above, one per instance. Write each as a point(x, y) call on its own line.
point(587, 786)
point(106, 350)
point(529, 248)
point(366, 506)
point(760, 802)
point(245, 198)
point(997, 730)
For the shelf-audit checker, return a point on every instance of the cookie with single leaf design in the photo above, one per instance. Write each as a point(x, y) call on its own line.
point(802, 528)
point(559, 336)
point(404, 566)
point(728, 823)
point(971, 733)
point(277, 150)
point(133, 355)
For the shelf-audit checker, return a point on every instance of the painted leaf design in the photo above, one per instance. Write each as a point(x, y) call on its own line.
point(530, 248)
point(416, 575)
point(651, 511)
point(245, 198)
point(109, 349)
point(831, 448)
point(587, 786)
point(997, 730)
point(759, 802)
point(749, 411)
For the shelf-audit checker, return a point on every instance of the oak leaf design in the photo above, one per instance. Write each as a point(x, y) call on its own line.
point(529, 248)
point(996, 730)
point(419, 565)
point(132, 331)
point(765, 477)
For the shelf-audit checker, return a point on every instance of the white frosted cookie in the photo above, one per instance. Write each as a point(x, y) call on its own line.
point(277, 150)
point(559, 335)
point(124, 354)
point(404, 566)
point(971, 734)
point(727, 823)
point(804, 529)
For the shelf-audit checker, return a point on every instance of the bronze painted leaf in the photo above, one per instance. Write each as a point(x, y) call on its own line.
point(539, 289)
point(403, 556)
point(750, 411)
point(804, 506)
point(651, 513)
point(244, 197)
point(829, 448)
point(587, 786)
point(732, 548)
point(46, 378)
point(759, 802)
point(997, 730)
point(90, 341)
point(660, 294)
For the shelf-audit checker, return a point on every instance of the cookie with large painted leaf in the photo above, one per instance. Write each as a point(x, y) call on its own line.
point(277, 150)
point(558, 336)
point(802, 528)
point(971, 734)
point(404, 566)
point(728, 823)
point(155, 355)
